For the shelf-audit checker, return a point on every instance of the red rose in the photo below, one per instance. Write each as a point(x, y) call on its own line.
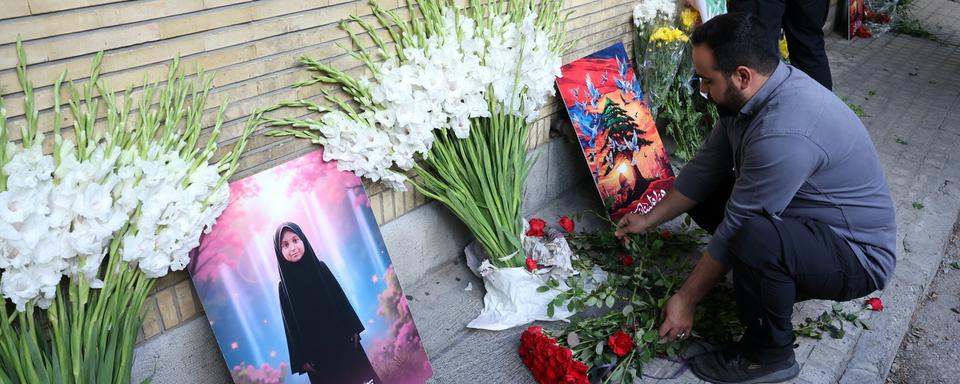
point(536, 227)
point(665, 234)
point(531, 264)
point(626, 260)
point(548, 362)
point(863, 32)
point(620, 343)
point(576, 374)
point(874, 304)
point(567, 224)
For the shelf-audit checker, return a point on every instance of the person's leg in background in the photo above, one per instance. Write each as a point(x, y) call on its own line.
point(803, 25)
point(770, 13)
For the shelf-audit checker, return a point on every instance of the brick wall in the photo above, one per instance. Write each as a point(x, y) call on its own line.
point(252, 46)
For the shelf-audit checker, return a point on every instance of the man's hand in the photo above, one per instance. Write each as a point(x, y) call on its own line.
point(633, 223)
point(309, 367)
point(678, 312)
point(671, 206)
point(677, 318)
point(355, 339)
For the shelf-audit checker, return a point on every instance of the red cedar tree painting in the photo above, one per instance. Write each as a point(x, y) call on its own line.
point(616, 131)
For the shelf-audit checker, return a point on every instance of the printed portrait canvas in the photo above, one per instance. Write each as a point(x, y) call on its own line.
point(297, 284)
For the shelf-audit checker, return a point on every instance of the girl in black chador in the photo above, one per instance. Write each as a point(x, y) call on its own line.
point(323, 331)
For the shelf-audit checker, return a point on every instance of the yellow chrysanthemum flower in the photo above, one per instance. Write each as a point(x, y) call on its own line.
point(783, 49)
point(665, 35)
point(689, 17)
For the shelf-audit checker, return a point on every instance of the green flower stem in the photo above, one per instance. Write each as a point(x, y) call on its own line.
point(4, 139)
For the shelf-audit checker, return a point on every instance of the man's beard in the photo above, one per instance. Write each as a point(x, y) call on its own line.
point(733, 100)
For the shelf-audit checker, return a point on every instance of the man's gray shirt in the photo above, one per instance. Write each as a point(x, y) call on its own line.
point(798, 151)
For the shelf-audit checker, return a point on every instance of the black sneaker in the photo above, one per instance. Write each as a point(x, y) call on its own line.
point(730, 367)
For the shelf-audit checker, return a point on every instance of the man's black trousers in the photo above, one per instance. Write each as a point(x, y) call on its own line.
point(777, 262)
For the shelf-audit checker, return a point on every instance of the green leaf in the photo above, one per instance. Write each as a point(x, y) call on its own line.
point(917, 205)
point(592, 301)
point(550, 310)
point(599, 348)
point(608, 202)
point(573, 340)
point(617, 375)
point(627, 310)
point(610, 301)
point(835, 332)
point(650, 336)
point(672, 351)
point(645, 356)
point(543, 288)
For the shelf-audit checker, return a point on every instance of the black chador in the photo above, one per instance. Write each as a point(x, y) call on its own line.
point(323, 331)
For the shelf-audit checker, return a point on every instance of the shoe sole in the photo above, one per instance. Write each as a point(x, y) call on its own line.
point(773, 377)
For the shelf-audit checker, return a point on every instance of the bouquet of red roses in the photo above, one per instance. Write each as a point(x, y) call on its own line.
point(549, 362)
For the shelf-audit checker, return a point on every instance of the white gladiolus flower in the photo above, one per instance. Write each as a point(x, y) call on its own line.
point(28, 168)
point(442, 84)
point(11, 255)
point(20, 286)
point(15, 207)
point(35, 283)
point(94, 202)
point(172, 213)
point(60, 221)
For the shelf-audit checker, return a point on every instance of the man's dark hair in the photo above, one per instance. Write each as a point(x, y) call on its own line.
point(737, 39)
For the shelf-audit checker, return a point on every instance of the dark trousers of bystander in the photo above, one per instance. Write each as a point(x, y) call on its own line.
point(777, 262)
point(802, 22)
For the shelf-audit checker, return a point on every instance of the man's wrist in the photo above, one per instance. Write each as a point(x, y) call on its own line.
point(685, 296)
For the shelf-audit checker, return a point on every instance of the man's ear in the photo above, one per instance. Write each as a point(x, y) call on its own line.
point(743, 76)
